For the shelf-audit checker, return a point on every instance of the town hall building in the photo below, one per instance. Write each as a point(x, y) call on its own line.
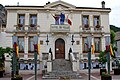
point(62, 31)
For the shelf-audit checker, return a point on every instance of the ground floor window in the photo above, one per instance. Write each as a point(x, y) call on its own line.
point(29, 66)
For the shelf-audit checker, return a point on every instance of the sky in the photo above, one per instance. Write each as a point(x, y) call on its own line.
point(114, 17)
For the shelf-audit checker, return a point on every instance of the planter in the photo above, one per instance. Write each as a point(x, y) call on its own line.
point(106, 77)
point(20, 78)
point(32, 25)
point(20, 25)
point(116, 71)
point(97, 26)
point(102, 70)
point(86, 26)
point(1, 73)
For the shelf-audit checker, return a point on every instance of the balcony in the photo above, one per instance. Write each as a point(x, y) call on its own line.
point(26, 28)
point(60, 28)
point(93, 29)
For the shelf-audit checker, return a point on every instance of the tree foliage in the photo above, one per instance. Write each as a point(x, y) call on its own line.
point(5, 50)
point(102, 57)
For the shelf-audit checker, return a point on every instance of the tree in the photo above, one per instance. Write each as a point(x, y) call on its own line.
point(102, 58)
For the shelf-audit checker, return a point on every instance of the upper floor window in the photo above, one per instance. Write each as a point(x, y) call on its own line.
point(96, 21)
point(21, 44)
point(97, 44)
point(33, 19)
point(21, 19)
point(85, 20)
point(31, 44)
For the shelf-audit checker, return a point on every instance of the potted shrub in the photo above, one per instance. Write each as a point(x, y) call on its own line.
point(117, 69)
point(102, 59)
point(106, 76)
point(17, 77)
point(2, 59)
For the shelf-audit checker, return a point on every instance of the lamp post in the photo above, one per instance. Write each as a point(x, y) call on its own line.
point(35, 54)
point(47, 41)
point(72, 39)
point(107, 39)
point(89, 39)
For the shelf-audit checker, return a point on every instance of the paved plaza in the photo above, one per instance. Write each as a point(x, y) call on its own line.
point(29, 75)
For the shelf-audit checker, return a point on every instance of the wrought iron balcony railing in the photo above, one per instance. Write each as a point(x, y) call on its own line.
point(91, 29)
point(26, 28)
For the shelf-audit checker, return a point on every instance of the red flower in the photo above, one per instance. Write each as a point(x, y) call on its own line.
point(32, 25)
point(20, 25)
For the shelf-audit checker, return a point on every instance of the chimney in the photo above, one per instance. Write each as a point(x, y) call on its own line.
point(103, 4)
point(48, 3)
point(17, 3)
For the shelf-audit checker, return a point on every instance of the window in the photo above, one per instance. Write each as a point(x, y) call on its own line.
point(77, 42)
point(41, 42)
point(84, 44)
point(96, 20)
point(21, 44)
point(85, 20)
point(21, 19)
point(33, 19)
point(31, 46)
point(97, 44)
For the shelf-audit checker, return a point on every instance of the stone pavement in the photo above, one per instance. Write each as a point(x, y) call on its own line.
point(29, 75)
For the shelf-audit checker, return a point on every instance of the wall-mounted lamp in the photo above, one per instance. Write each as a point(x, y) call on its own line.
point(72, 39)
point(47, 41)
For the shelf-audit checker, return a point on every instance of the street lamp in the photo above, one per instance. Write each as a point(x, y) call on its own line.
point(14, 57)
point(72, 39)
point(47, 41)
point(35, 54)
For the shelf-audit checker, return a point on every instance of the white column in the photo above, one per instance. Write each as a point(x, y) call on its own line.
point(26, 18)
point(91, 22)
point(26, 47)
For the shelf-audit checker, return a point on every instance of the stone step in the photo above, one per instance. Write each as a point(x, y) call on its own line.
point(61, 65)
point(58, 74)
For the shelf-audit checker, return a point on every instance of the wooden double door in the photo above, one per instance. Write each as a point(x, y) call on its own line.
point(59, 49)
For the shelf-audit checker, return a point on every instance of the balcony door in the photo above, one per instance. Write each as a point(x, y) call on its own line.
point(59, 49)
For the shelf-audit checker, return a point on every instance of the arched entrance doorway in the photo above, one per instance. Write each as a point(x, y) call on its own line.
point(59, 49)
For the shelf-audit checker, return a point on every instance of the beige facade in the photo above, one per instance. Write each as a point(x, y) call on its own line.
point(85, 22)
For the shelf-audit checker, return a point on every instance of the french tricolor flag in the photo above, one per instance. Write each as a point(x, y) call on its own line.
point(68, 21)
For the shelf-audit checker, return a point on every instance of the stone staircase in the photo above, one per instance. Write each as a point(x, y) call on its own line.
point(61, 68)
point(61, 65)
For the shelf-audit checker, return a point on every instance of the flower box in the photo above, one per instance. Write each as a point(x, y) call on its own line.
point(1, 73)
point(20, 78)
point(97, 26)
point(106, 77)
point(117, 71)
point(32, 25)
point(102, 70)
point(17, 77)
point(86, 26)
point(20, 25)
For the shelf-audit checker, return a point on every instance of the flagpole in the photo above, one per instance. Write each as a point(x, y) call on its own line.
point(108, 52)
